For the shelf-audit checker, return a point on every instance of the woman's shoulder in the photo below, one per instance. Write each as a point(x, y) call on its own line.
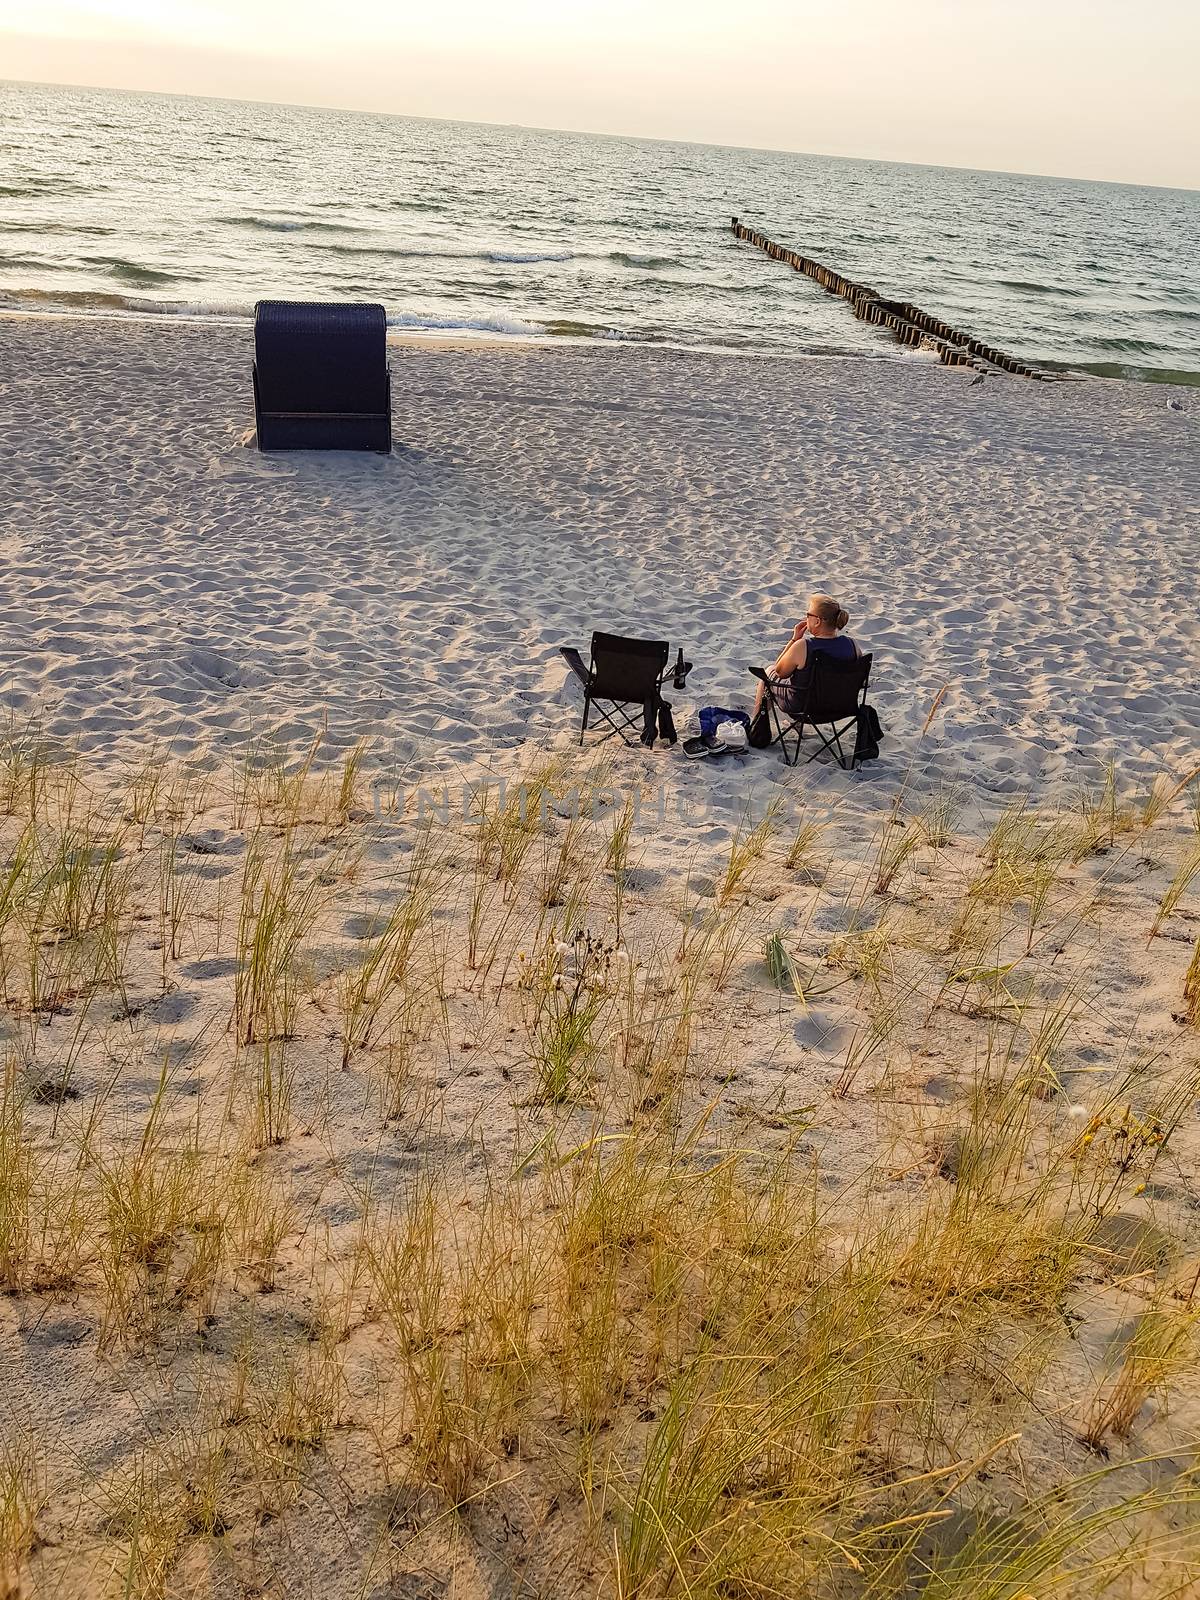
point(840, 645)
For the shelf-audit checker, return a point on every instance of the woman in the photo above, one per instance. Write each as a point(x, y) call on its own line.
point(819, 634)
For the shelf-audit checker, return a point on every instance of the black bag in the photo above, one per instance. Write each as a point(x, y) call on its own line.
point(867, 734)
point(758, 734)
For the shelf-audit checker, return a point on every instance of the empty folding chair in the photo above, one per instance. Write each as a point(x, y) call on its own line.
point(321, 379)
point(828, 701)
point(623, 673)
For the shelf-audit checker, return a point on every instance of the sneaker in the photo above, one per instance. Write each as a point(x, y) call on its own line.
point(731, 736)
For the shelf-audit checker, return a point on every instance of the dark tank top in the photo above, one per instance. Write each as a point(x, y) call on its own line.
point(841, 648)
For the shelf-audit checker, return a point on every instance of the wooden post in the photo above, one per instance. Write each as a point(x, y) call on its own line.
point(907, 323)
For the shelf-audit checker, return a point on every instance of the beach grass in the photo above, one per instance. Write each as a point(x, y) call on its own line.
point(416, 1180)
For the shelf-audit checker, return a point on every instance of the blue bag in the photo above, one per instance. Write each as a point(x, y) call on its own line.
point(711, 715)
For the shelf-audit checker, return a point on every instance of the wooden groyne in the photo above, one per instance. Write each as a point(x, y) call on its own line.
point(909, 324)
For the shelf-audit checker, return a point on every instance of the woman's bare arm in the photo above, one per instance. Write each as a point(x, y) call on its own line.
point(794, 656)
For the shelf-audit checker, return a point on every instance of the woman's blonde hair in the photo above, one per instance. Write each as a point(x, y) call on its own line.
point(829, 611)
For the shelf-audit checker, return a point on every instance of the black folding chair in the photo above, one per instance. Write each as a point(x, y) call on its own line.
point(830, 696)
point(623, 673)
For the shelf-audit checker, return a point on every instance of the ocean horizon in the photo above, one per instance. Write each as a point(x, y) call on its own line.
point(135, 204)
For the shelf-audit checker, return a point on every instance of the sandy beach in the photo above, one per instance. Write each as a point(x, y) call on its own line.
point(282, 1039)
point(1028, 545)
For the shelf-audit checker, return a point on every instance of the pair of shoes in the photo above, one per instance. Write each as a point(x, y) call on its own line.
point(701, 747)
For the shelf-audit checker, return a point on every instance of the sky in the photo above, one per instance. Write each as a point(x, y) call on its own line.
point(1080, 88)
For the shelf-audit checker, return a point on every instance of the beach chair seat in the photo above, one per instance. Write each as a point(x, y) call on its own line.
point(829, 699)
point(623, 673)
point(321, 379)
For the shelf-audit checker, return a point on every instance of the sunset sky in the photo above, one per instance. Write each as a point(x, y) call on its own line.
point(1089, 88)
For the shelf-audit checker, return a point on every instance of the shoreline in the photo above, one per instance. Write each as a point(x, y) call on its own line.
point(464, 338)
point(485, 338)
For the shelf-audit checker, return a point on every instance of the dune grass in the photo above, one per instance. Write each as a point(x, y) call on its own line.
point(468, 1205)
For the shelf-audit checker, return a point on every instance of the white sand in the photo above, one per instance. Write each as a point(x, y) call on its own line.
point(1031, 546)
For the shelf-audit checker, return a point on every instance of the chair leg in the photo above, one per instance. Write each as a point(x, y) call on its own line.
point(620, 724)
point(776, 724)
point(782, 733)
point(824, 743)
point(796, 728)
point(848, 764)
point(833, 743)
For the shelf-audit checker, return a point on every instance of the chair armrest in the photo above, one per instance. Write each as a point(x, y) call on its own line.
point(760, 673)
point(575, 661)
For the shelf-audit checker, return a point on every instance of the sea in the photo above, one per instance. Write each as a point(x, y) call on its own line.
point(145, 205)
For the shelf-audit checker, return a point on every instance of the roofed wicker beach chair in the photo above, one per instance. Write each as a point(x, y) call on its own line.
point(828, 701)
point(321, 379)
point(623, 673)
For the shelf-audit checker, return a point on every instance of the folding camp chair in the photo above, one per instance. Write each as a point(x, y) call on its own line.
point(830, 697)
point(623, 673)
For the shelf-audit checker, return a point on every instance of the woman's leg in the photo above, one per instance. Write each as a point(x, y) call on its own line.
point(781, 693)
point(761, 723)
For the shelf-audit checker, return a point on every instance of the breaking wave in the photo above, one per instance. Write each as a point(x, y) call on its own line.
point(527, 257)
point(133, 273)
point(85, 302)
point(1026, 286)
point(289, 225)
point(625, 258)
point(431, 322)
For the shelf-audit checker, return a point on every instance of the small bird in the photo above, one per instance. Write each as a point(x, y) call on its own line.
point(977, 380)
